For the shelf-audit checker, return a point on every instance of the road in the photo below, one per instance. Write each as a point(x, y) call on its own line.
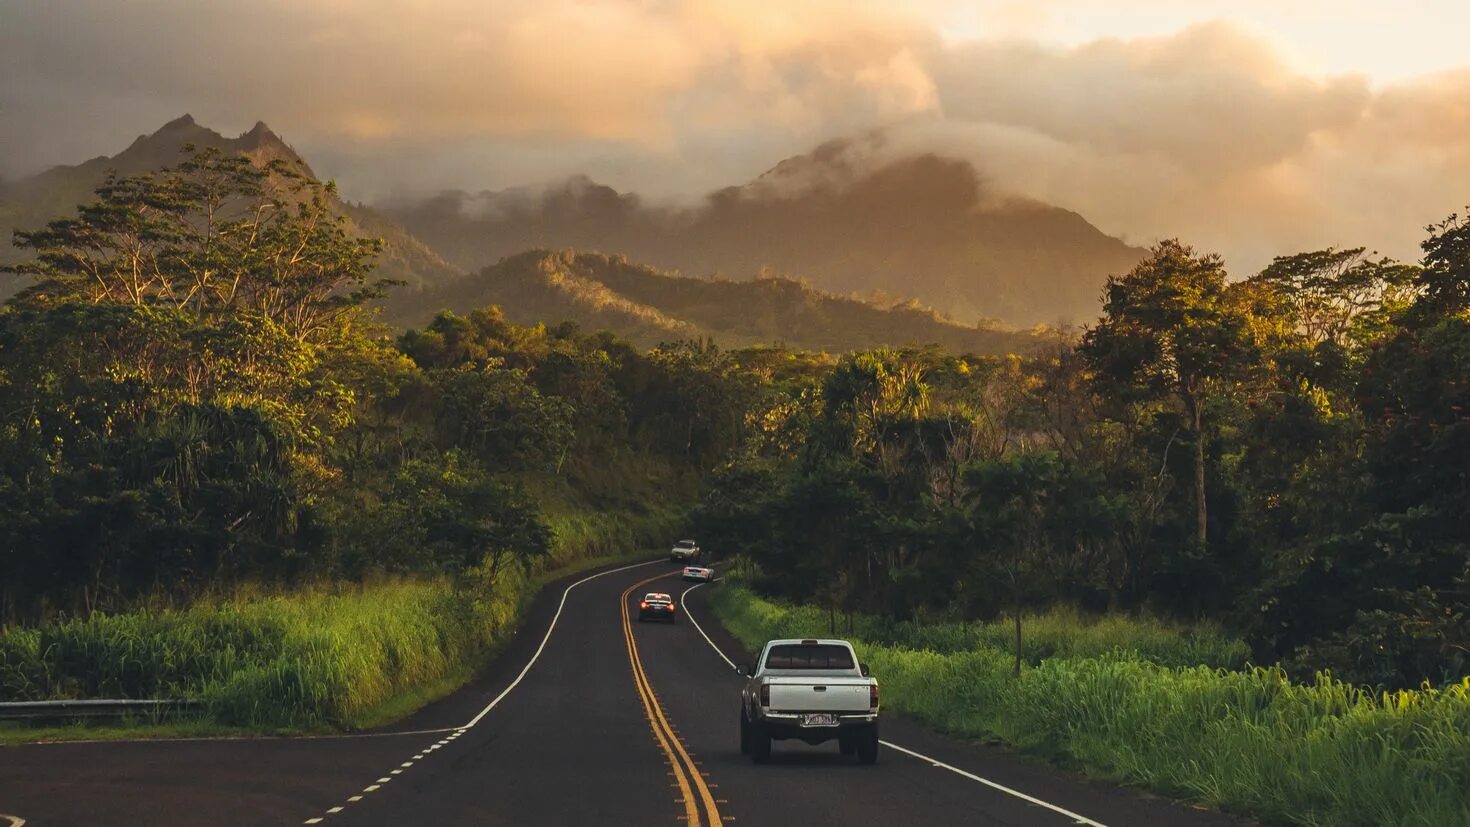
point(585, 718)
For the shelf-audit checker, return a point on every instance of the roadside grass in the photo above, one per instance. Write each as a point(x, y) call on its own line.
point(1247, 740)
point(13, 733)
point(1059, 633)
point(297, 661)
point(323, 658)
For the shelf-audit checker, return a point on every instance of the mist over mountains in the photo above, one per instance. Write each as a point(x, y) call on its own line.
point(842, 248)
point(845, 218)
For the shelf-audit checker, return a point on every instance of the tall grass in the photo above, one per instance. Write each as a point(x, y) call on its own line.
point(1058, 633)
point(311, 658)
point(1246, 740)
point(289, 661)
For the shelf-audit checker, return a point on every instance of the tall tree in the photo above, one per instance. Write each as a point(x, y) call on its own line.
point(1172, 333)
point(215, 234)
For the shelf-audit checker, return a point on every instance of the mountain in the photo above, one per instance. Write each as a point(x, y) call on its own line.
point(600, 291)
point(850, 217)
point(31, 202)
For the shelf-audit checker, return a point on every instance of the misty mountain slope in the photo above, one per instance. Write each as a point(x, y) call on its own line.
point(844, 218)
point(31, 202)
point(603, 291)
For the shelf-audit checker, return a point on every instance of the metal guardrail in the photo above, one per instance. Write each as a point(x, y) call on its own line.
point(92, 708)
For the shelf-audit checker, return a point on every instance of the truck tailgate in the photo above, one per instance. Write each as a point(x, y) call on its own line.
point(819, 694)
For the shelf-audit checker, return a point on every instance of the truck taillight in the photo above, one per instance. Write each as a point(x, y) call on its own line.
point(873, 696)
point(765, 694)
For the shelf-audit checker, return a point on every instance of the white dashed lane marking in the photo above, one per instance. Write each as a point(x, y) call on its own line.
point(455, 732)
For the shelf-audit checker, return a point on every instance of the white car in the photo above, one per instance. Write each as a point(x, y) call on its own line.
point(702, 574)
point(684, 551)
point(812, 691)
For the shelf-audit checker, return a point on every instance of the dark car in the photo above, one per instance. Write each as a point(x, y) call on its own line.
point(656, 606)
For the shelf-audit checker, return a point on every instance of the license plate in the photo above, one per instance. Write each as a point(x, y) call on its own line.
point(820, 719)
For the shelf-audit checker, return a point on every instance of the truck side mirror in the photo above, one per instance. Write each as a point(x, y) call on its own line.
point(745, 670)
point(863, 668)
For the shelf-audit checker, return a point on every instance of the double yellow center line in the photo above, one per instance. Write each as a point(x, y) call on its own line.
point(686, 772)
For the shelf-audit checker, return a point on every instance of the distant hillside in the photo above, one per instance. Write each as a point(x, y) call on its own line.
point(847, 217)
point(29, 203)
point(603, 291)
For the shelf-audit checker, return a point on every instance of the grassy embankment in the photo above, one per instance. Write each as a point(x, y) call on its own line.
point(320, 658)
point(1171, 709)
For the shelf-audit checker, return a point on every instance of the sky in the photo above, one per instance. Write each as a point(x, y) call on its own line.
point(1246, 127)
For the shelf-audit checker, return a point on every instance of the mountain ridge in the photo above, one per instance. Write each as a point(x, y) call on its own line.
point(831, 196)
point(850, 217)
point(598, 290)
point(32, 201)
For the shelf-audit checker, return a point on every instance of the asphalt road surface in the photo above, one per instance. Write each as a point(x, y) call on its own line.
point(587, 717)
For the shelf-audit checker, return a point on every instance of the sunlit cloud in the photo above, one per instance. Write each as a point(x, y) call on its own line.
point(1240, 125)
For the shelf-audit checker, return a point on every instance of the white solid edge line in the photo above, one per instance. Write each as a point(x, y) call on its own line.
point(922, 757)
point(549, 629)
point(987, 782)
point(700, 628)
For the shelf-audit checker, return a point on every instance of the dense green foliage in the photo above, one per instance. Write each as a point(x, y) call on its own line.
point(1283, 455)
point(193, 395)
point(1251, 741)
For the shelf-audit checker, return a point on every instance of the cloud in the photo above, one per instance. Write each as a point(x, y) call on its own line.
point(640, 73)
point(1211, 131)
point(1208, 133)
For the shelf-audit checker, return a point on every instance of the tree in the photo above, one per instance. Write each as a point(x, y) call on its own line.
point(1012, 522)
point(1172, 333)
point(1332, 297)
point(216, 234)
point(175, 380)
point(497, 415)
point(1444, 283)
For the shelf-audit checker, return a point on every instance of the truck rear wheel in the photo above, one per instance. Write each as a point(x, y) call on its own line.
point(744, 734)
point(760, 744)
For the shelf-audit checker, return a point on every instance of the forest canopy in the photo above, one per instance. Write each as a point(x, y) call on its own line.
point(194, 393)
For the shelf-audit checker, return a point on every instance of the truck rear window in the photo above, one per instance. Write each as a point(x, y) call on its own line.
point(809, 656)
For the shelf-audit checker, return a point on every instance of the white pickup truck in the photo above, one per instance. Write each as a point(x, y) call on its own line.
point(813, 691)
point(684, 551)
